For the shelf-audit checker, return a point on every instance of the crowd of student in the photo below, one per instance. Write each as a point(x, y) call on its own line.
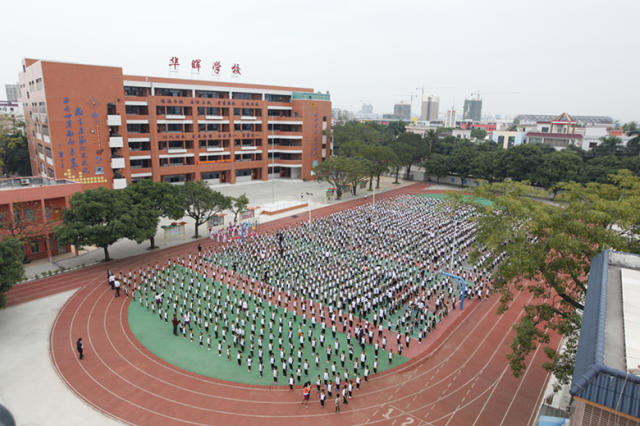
point(330, 299)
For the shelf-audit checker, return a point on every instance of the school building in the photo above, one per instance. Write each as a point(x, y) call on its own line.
point(30, 208)
point(97, 126)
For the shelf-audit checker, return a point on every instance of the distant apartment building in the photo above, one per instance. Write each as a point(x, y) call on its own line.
point(565, 130)
point(12, 91)
point(366, 109)
point(402, 111)
point(507, 139)
point(429, 111)
point(472, 109)
point(97, 126)
point(450, 119)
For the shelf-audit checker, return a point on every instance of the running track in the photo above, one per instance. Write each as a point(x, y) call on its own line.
point(463, 379)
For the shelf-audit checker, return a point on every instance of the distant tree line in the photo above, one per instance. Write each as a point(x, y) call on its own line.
point(371, 149)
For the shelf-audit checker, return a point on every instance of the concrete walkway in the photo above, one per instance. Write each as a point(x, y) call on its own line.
point(259, 193)
point(29, 386)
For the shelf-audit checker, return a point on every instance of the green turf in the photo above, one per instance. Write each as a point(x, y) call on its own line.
point(157, 336)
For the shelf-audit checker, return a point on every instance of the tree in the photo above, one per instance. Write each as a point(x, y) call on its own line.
point(152, 200)
point(609, 145)
point(416, 152)
point(201, 202)
point(633, 145)
point(11, 268)
point(336, 171)
point(404, 154)
point(14, 151)
point(358, 168)
point(97, 217)
point(381, 158)
point(485, 165)
point(559, 166)
point(461, 160)
point(238, 204)
point(26, 220)
point(548, 250)
point(522, 162)
point(437, 165)
point(478, 133)
point(598, 169)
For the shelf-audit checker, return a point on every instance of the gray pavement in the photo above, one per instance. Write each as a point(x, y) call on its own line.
point(29, 386)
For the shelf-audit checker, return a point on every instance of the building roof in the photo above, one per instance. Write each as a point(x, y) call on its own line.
point(605, 371)
point(30, 182)
point(555, 135)
point(582, 120)
point(564, 117)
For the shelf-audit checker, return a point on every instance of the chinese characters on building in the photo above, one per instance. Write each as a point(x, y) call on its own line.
point(197, 64)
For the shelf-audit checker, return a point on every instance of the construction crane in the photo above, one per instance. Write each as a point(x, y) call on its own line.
point(433, 88)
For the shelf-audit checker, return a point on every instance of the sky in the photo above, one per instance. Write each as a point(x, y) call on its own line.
point(542, 57)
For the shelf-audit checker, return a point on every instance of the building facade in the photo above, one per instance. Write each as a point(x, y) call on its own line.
point(97, 126)
point(450, 119)
point(430, 105)
point(402, 111)
point(12, 91)
point(472, 109)
point(30, 207)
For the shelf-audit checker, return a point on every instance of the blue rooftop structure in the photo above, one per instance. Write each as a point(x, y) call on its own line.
point(602, 377)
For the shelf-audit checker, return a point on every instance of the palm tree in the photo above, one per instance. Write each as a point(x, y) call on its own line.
point(633, 145)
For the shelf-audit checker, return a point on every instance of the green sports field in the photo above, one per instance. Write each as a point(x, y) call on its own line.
point(157, 336)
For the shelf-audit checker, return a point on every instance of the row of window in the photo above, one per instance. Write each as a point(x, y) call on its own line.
point(202, 111)
point(203, 143)
point(209, 94)
point(211, 158)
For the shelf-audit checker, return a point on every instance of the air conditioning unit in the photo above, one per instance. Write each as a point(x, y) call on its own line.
point(25, 181)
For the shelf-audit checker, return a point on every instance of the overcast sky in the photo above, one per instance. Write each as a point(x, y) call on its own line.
point(544, 57)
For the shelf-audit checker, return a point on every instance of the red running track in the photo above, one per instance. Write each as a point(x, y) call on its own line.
point(463, 380)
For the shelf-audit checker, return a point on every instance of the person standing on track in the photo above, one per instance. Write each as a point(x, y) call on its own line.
point(175, 323)
point(80, 347)
point(306, 391)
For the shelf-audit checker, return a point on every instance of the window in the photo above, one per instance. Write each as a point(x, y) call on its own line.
point(47, 212)
point(246, 96)
point(49, 154)
point(183, 93)
point(277, 98)
point(34, 246)
point(136, 109)
point(99, 170)
point(50, 173)
point(111, 109)
point(211, 94)
point(28, 215)
point(40, 149)
point(137, 128)
point(136, 91)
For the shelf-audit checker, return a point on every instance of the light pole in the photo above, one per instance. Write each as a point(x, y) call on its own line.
point(309, 195)
point(374, 197)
